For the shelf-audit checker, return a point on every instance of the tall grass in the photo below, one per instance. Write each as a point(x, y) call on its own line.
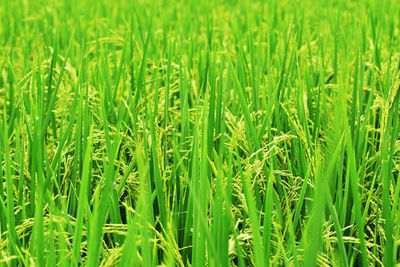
point(218, 133)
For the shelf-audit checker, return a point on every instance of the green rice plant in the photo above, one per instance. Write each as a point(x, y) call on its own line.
point(212, 133)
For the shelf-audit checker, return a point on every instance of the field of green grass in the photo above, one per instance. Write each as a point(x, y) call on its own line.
point(211, 133)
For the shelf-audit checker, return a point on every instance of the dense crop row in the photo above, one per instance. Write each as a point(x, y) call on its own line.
point(216, 133)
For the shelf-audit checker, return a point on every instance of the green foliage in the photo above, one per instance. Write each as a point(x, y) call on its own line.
point(211, 133)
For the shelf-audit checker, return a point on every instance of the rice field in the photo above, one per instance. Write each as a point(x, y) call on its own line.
point(212, 133)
